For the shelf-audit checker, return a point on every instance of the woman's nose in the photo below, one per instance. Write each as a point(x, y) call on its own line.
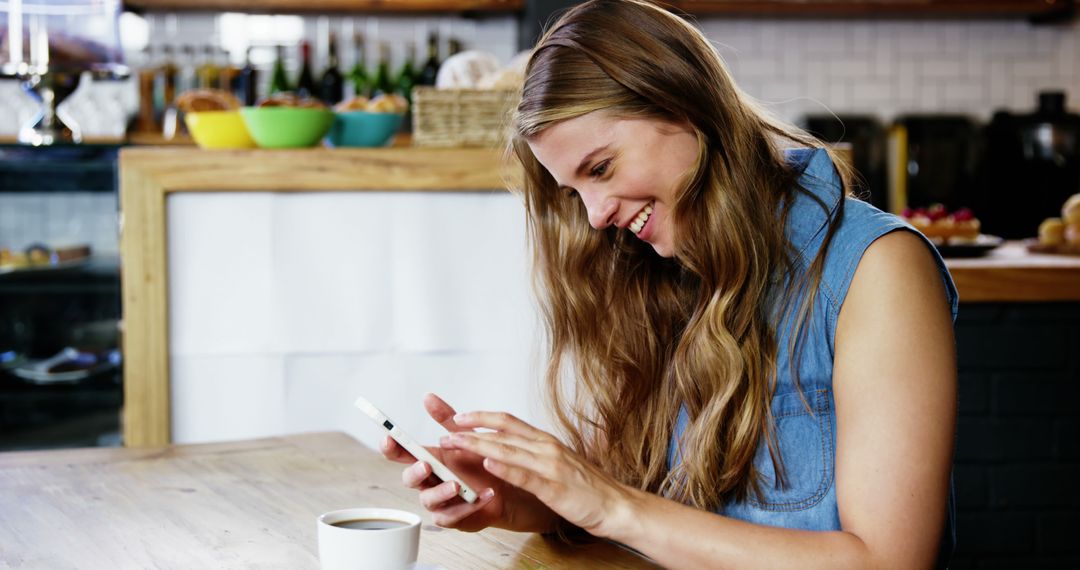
point(601, 210)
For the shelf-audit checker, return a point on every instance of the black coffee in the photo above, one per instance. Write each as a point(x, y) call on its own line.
point(370, 524)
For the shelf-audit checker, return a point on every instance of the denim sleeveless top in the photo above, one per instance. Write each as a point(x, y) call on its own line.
point(807, 441)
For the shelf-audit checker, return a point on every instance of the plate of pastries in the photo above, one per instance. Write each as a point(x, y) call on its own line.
point(1060, 235)
point(955, 233)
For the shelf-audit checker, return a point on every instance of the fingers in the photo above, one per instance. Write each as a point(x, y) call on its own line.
point(507, 449)
point(501, 421)
point(394, 452)
point(453, 514)
point(441, 412)
point(419, 476)
point(436, 496)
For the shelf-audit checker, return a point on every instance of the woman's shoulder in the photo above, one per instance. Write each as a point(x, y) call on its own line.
point(821, 199)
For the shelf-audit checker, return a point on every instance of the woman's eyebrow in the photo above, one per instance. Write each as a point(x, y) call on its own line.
point(584, 165)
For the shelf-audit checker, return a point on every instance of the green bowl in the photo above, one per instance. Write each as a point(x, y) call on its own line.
point(361, 128)
point(287, 127)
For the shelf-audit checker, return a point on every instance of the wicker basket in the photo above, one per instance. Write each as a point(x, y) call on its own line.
point(461, 117)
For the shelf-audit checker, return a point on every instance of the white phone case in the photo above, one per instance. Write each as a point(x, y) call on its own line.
point(441, 471)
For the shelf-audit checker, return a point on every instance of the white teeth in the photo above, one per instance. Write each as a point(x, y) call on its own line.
point(642, 217)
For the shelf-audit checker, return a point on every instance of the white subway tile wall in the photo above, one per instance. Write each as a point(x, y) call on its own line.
point(891, 68)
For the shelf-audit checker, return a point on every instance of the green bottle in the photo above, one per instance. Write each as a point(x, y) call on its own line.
point(383, 83)
point(407, 76)
point(279, 81)
point(358, 75)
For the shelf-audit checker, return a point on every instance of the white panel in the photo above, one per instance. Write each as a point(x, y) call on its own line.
point(221, 287)
point(460, 278)
point(221, 398)
point(331, 257)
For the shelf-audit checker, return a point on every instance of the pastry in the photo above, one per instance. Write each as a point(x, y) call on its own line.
point(1072, 235)
point(1070, 211)
point(938, 224)
point(393, 103)
point(1052, 232)
point(290, 99)
point(207, 100)
point(358, 103)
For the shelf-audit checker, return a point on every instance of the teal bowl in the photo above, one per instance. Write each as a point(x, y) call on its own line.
point(286, 127)
point(361, 128)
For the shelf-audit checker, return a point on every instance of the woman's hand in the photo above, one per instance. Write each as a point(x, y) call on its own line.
point(499, 504)
point(536, 462)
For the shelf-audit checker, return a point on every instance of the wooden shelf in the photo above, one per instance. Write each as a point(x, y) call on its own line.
point(364, 6)
point(880, 8)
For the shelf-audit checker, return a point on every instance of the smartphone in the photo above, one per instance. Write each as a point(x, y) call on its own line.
point(441, 471)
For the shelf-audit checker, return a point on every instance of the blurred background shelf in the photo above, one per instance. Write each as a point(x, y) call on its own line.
point(372, 6)
point(882, 8)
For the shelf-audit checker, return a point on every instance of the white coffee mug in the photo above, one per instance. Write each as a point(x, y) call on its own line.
point(352, 539)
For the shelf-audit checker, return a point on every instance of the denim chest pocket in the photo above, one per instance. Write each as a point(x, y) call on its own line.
point(805, 438)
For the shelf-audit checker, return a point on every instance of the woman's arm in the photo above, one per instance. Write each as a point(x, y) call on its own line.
point(894, 379)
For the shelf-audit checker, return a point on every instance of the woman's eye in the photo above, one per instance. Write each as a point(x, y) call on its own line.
point(600, 169)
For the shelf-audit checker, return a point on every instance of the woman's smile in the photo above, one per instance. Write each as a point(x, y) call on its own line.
point(626, 171)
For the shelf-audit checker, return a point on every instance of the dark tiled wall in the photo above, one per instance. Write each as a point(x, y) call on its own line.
point(1018, 449)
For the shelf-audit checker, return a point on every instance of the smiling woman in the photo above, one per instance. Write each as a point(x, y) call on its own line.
point(737, 329)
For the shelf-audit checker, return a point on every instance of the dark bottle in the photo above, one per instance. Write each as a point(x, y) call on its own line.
point(431, 66)
point(406, 77)
point(279, 81)
point(383, 83)
point(146, 121)
point(332, 85)
point(247, 82)
point(305, 83)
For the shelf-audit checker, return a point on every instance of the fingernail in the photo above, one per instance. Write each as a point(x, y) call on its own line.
point(461, 417)
point(444, 441)
point(487, 494)
point(418, 468)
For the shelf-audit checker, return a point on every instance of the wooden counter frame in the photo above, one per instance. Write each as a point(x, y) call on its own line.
point(149, 175)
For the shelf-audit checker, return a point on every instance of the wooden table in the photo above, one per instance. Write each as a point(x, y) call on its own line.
point(249, 504)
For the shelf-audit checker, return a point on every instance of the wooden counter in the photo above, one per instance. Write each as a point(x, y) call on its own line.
point(1011, 274)
point(247, 504)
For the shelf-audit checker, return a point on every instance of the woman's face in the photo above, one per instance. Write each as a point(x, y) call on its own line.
point(626, 171)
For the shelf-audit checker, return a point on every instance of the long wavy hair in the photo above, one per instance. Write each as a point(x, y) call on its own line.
point(639, 335)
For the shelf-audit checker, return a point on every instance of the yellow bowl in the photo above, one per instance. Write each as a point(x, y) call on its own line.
point(218, 129)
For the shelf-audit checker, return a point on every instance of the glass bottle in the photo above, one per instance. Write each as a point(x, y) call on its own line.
point(207, 71)
point(406, 77)
point(305, 83)
point(247, 82)
point(279, 81)
point(146, 121)
point(358, 75)
point(332, 84)
point(383, 83)
point(185, 76)
point(164, 83)
point(430, 70)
